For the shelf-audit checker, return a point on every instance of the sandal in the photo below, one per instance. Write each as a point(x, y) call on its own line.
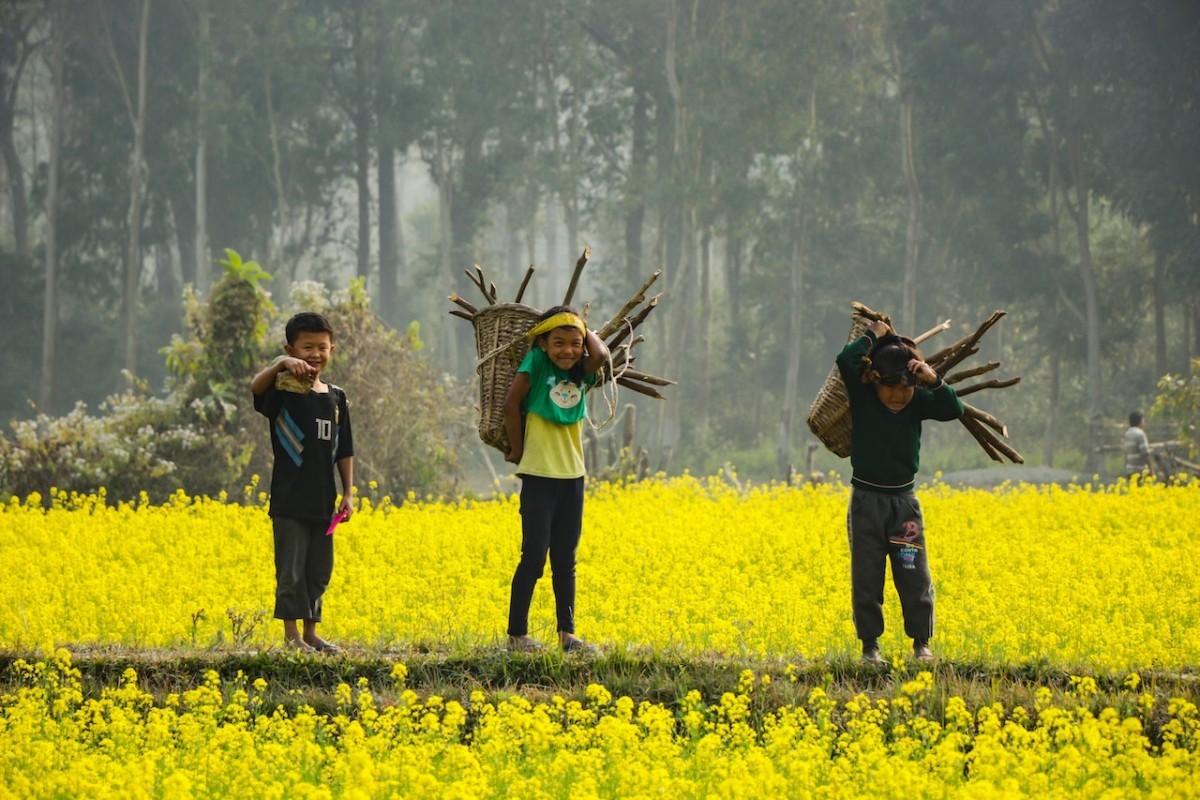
point(327, 648)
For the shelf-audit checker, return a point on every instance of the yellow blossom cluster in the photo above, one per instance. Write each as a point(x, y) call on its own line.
point(1101, 578)
point(220, 740)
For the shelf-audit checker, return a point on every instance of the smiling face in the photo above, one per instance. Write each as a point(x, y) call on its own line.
point(313, 347)
point(564, 346)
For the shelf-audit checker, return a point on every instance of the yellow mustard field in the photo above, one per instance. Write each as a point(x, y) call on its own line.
point(218, 741)
point(1075, 581)
point(1068, 577)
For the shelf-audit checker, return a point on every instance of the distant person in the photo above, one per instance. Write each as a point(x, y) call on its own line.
point(891, 390)
point(543, 417)
point(1137, 448)
point(310, 437)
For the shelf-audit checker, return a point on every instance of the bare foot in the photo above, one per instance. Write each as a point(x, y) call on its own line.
point(321, 646)
point(299, 645)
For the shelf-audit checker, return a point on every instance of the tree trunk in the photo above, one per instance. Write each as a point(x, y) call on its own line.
point(1087, 273)
point(12, 65)
point(16, 180)
point(48, 394)
point(389, 228)
point(912, 233)
point(787, 406)
point(704, 340)
point(635, 216)
point(203, 257)
point(362, 148)
point(1055, 381)
point(1160, 315)
point(133, 264)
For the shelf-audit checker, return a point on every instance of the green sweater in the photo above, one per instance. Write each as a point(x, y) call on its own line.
point(885, 446)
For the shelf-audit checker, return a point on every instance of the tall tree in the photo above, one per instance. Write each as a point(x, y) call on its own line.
point(19, 38)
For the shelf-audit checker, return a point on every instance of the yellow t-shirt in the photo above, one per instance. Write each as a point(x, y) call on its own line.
point(552, 450)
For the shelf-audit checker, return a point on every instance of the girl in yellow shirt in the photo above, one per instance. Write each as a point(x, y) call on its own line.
point(543, 417)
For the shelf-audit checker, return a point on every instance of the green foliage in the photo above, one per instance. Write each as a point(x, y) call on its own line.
point(1179, 400)
point(203, 435)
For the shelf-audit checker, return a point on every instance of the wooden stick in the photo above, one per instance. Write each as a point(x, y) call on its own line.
point(986, 418)
point(611, 326)
point(994, 384)
point(971, 373)
point(951, 359)
point(478, 281)
point(982, 436)
point(492, 293)
point(932, 332)
point(651, 379)
point(863, 311)
point(524, 283)
point(454, 298)
point(632, 324)
point(639, 388)
point(583, 259)
point(463, 314)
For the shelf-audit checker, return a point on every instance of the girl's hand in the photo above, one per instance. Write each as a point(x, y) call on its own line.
point(878, 327)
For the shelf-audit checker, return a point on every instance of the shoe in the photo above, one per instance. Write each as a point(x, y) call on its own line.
point(577, 645)
point(922, 653)
point(523, 644)
point(872, 656)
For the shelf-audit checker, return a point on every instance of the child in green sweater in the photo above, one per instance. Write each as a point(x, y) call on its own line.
point(891, 390)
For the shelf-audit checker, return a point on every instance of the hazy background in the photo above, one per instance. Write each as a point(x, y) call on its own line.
point(777, 159)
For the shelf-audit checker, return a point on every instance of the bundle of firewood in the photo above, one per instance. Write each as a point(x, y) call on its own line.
point(500, 342)
point(829, 415)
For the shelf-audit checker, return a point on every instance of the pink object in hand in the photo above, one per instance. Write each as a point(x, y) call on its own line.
point(338, 517)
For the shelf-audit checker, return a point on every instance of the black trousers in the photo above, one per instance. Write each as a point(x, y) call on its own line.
point(303, 566)
point(551, 522)
point(888, 527)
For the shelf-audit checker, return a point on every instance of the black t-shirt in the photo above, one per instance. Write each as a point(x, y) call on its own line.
point(310, 433)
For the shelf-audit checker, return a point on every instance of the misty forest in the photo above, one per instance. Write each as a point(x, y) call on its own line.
point(180, 175)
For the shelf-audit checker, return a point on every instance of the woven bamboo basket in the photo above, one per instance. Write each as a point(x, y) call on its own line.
point(829, 414)
point(501, 345)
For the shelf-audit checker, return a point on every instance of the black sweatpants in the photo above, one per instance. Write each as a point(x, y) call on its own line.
point(551, 522)
point(883, 527)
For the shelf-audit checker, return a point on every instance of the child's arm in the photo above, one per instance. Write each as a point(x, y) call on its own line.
point(266, 379)
point(513, 424)
point(346, 471)
point(946, 405)
point(597, 353)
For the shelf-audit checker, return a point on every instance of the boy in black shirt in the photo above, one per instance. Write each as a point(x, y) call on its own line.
point(882, 372)
point(310, 436)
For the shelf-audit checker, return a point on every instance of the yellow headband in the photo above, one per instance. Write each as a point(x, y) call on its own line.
point(561, 320)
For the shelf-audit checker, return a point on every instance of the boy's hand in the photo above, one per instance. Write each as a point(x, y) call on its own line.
point(346, 508)
point(299, 367)
point(923, 371)
point(513, 456)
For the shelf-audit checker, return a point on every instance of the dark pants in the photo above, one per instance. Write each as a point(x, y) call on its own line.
point(303, 566)
point(551, 522)
point(884, 527)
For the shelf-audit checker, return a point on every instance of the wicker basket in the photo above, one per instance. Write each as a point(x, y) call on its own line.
point(501, 345)
point(829, 414)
